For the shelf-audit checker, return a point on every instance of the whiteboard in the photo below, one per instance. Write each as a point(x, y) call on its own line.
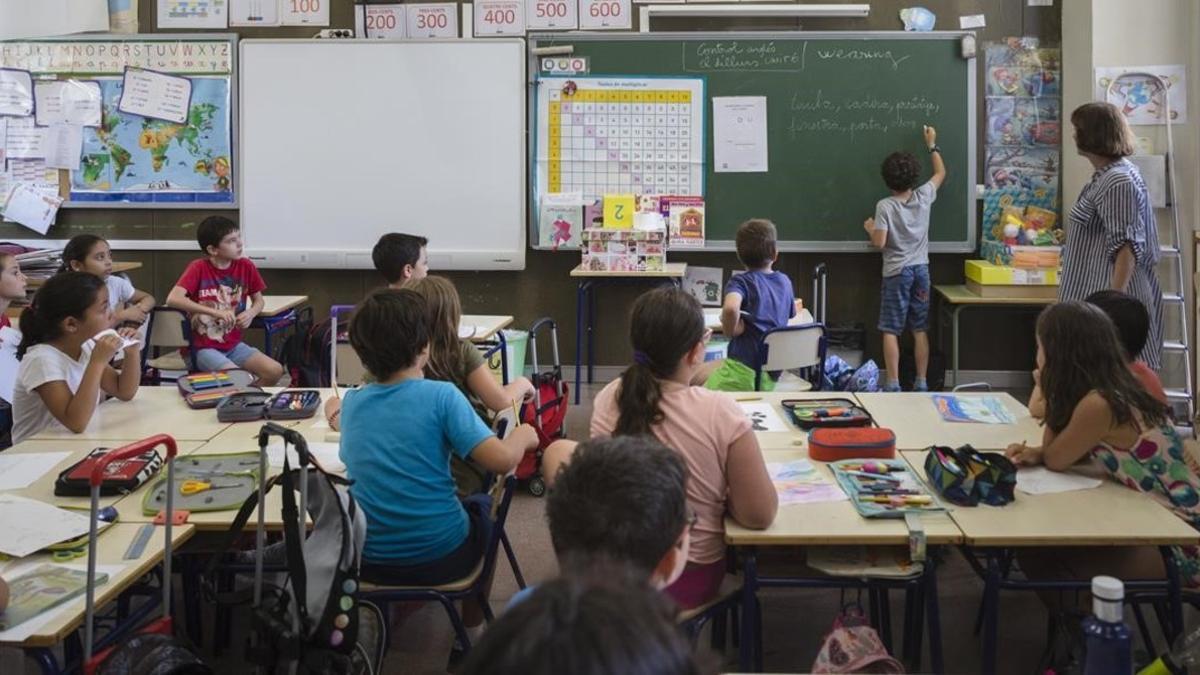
point(342, 141)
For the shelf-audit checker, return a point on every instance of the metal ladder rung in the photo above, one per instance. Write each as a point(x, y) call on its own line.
point(1172, 297)
point(1178, 395)
point(1174, 346)
point(1168, 250)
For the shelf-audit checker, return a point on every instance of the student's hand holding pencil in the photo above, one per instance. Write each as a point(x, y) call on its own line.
point(1022, 453)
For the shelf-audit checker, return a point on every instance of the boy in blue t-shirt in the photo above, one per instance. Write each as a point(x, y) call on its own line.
point(900, 229)
point(397, 437)
point(756, 301)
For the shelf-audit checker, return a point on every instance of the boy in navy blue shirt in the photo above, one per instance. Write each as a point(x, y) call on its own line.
point(756, 301)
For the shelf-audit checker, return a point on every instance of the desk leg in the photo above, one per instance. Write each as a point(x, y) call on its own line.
point(580, 293)
point(954, 340)
point(591, 329)
point(1174, 591)
point(991, 611)
point(747, 651)
point(934, 616)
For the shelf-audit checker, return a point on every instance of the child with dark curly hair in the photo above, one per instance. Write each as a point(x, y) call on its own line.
point(900, 229)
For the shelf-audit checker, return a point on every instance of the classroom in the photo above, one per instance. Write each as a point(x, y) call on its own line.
point(878, 357)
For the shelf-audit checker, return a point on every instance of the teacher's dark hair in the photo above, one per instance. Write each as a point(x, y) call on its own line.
point(1101, 129)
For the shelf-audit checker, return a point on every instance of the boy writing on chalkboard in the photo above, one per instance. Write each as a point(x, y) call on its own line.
point(900, 229)
point(401, 258)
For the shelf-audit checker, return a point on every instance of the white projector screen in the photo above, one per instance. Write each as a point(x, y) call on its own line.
point(344, 140)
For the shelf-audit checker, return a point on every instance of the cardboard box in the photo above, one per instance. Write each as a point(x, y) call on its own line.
point(985, 273)
point(607, 250)
point(1025, 291)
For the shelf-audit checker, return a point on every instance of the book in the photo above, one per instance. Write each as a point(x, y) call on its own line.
point(560, 220)
point(686, 222)
point(42, 588)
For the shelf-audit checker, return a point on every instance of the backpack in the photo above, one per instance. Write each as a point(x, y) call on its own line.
point(312, 620)
point(853, 646)
point(306, 351)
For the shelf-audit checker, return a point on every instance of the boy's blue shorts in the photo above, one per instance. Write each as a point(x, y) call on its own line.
point(905, 301)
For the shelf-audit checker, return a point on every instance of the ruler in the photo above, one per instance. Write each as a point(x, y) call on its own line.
point(138, 545)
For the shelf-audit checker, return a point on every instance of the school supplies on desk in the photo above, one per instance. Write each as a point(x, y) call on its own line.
point(251, 406)
point(120, 477)
point(976, 409)
point(887, 490)
point(833, 444)
point(219, 482)
point(30, 525)
point(42, 588)
point(205, 390)
point(829, 412)
point(966, 477)
point(1038, 480)
point(799, 482)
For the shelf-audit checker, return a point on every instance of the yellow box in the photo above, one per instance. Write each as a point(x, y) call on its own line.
point(986, 274)
point(618, 211)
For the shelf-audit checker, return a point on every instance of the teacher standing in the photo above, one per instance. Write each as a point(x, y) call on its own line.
point(1112, 239)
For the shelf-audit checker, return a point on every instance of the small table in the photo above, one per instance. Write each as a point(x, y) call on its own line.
point(917, 424)
point(482, 327)
point(957, 298)
point(585, 305)
point(117, 268)
point(154, 410)
point(278, 314)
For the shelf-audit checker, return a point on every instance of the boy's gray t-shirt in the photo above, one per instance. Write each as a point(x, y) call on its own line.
point(907, 223)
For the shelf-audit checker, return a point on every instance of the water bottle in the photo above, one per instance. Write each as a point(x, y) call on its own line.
point(1184, 654)
point(1108, 639)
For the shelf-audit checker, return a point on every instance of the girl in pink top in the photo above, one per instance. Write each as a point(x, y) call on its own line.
point(727, 473)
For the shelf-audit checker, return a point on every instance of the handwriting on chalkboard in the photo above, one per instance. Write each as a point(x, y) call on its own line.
point(839, 54)
point(736, 56)
point(814, 112)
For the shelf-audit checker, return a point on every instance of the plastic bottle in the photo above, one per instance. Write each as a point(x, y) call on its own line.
point(1108, 639)
point(1184, 655)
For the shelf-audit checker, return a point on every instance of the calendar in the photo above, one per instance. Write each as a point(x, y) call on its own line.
point(598, 136)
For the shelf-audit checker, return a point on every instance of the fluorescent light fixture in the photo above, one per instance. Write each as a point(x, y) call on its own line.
point(646, 12)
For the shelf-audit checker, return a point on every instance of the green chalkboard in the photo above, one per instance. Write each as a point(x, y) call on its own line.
point(837, 104)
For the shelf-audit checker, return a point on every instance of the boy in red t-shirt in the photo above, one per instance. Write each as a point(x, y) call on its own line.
point(214, 290)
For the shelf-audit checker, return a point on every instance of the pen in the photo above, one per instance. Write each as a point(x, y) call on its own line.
point(744, 400)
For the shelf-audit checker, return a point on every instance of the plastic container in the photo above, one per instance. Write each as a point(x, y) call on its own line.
point(516, 344)
point(1109, 641)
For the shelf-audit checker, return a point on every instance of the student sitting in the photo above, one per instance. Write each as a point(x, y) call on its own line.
point(401, 258)
point(62, 369)
point(12, 285)
point(398, 433)
point(726, 471)
point(756, 301)
point(1133, 328)
point(130, 307)
point(1095, 406)
point(213, 289)
point(601, 623)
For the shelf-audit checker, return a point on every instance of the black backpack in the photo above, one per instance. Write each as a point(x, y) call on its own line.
point(306, 351)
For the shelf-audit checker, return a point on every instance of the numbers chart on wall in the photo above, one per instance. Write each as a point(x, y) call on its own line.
point(602, 136)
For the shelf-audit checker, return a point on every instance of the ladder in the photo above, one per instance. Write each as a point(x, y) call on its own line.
point(1175, 346)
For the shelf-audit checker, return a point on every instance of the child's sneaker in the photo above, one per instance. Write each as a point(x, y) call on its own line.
point(891, 388)
point(919, 384)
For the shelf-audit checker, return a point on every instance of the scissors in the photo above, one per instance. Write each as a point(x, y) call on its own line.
point(191, 487)
point(67, 555)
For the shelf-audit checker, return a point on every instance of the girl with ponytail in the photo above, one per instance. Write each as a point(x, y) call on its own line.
point(707, 428)
point(63, 368)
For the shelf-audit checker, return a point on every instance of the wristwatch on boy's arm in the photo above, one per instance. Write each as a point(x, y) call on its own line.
point(935, 148)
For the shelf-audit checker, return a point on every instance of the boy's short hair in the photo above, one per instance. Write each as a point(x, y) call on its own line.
point(389, 330)
point(395, 250)
point(900, 171)
point(755, 241)
point(1130, 317)
point(619, 499)
point(1102, 130)
point(212, 230)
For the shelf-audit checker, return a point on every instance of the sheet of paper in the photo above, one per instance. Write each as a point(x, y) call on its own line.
point(799, 482)
point(704, 283)
point(973, 409)
point(64, 145)
point(1038, 480)
point(75, 102)
point(16, 92)
point(122, 16)
point(253, 12)
point(304, 13)
point(30, 525)
point(125, 342)
point(740, 134)
point(763, 416)
point(193, 13)
point(24, 19)
point(380, 22)
point(972, 21)
point(10, 339)
point(325, 453)
point(155, 95)
point(20, 470)
point(32, 208)
point(23, 630)
point(466, 331)
point(436, 20)
point(25, 140)
point(3, 150)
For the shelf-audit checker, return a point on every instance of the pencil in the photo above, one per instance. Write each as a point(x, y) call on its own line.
point(744, 400)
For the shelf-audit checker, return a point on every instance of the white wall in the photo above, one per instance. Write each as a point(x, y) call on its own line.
point(1099, 33)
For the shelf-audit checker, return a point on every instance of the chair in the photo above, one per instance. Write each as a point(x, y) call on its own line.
point(474, 585)
point(973, 386)
point(790, 348)
point(725, 603)
point(345, 368)
point(164, 333)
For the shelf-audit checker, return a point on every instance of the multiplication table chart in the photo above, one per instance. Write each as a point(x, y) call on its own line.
point(600, 136)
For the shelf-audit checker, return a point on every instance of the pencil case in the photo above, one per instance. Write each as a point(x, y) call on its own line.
point(120, 477)
point(250, 406)
point(965, 476)
point(884, 488)
point(205, 390)
point(832, 444)
point(826, 413)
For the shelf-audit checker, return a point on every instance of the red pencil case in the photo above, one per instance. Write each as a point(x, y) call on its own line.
point(827, 444)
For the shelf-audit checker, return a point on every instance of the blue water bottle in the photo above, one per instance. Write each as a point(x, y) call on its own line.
point(1109, 642)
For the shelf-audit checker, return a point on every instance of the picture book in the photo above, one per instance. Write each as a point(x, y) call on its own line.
point(42, 588)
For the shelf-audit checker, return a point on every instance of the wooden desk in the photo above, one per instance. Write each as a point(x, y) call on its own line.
point(585, 306)
point(794, 438)
point(485, 325)
point(154, 410)
point(117, 268)
point(111, 546)
point(43, 488)
point(918, 424)
point(956, 298)
point(274, 305)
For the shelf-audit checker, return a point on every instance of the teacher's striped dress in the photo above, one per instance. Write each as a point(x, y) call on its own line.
point(1114, 210)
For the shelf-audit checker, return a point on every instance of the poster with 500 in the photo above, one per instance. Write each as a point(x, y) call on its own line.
point(552, 14)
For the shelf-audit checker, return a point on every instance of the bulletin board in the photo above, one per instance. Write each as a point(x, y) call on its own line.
point(131, 161)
